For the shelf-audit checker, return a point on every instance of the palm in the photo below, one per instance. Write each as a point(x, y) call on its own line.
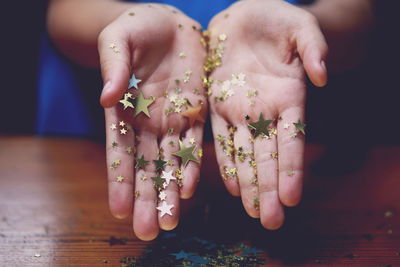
point(167, 56)
point(261, 74)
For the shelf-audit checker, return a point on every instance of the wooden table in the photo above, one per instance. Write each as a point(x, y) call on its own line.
point(53, 211)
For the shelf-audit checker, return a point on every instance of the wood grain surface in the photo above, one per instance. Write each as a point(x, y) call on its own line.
point(53, 211)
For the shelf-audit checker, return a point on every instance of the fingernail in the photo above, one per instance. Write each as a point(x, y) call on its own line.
point(323, 66)
point(106, 87)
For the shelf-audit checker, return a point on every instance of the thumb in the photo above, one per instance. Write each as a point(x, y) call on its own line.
point(115, 66)
point(313, 50)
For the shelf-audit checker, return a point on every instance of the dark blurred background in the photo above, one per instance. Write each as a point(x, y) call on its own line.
point(356, 109)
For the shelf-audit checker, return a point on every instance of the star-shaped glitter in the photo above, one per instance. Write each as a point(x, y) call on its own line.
point(165, 208)
point(114, 144)
point(193, 114)
point(167, 176)
point(260, 126)
point(120, 179)
point(128, 101)
point(160, 164)
point(129, 149)
point(290, 172)
point(162, 196)
point(122, 123)
point(192, 141)
point(300, 127)
point(141, 163)
point(142, 105)
point(158, 182)
point(186, 154)
point(123, 131)
point(133, 82)
point(113, 126)
point(286, 126)
point(115, 164)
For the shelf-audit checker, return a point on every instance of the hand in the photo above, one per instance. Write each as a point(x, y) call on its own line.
point(265, 45)
point(161, 46)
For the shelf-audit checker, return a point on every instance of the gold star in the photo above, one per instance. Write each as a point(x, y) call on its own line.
point(142, 105)
point(114, 144)
point(290, 172)
point(137, 194)
point(274, 155)
point(120, 179)
point(113, 126)
point(122, 123)
point(300, 127)
point(192, 141)
point(185, 153)
point(193, 114)
point(222, 37)
point(129, 149)
point(112, 45)
point(182, 55)
point(115, 164)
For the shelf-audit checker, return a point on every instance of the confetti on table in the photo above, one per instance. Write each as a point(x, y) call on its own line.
point(141, 163)
point(165, 208)
point(186, 154)
point(133, 82)
point(260, 126)
point(142, 105)
point(193, 114)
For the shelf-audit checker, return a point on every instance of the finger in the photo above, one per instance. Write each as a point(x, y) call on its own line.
point(246, 172)
point(115, 65)
point(223, 147)
point(313, 50)
point(291, 157)
point(271, 209)
point(170, 144)
point(120, 162)
point(191, 173)
point(145, 220)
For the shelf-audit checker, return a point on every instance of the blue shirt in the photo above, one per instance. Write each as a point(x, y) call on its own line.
point(68, 94)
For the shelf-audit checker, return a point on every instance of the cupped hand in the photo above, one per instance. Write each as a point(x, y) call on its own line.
point(259, 53)
point(146, 123)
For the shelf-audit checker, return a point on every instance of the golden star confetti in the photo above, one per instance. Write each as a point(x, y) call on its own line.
point(260, 126)
point(143, 177)
point(112, 45)
point(120, 179)
point(158, 182)
point(274, 155)
point(122, 123)
point(127, 101)
point(165, 208)
point(115, 164)
point(129, 149)
point(256, 203)
point(192, 141)
point(141, 163)
point(142, 105)
point(182, 55)
point(114, 144)
point(193, 114)
point(137, 194)
point(186, 154)
point(290, 172)
point(200, 152)
point(300, 127)
point(160, 164)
